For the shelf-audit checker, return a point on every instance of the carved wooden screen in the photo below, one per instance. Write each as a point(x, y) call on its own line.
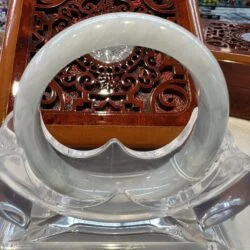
point(228, 37)
point(230, 43)
point(146, 89)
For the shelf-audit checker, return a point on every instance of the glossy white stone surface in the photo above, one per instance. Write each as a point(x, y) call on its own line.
point(118, 29)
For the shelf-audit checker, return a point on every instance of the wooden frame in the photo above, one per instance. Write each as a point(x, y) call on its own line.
point(72, 134)
point(234, 60)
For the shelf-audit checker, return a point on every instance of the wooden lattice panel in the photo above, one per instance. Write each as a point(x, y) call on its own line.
point(147, 88)
point(228, 37)
point(230, 43)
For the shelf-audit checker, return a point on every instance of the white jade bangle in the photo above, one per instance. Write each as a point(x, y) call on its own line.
point(161, 169)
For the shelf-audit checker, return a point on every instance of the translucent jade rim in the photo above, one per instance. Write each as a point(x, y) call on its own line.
point(116, 29)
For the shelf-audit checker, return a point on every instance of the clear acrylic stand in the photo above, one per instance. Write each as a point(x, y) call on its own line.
point(174, 197)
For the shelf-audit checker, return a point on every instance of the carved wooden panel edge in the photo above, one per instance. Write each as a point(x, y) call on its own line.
point(146, 82)
point(133, 95)
point(228, 37)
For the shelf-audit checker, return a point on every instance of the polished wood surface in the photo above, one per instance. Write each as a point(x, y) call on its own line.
point(238, 80)
point(137, 137)
point(228, 37)
point(150, 96)
point(226, 41)
point(8, 54)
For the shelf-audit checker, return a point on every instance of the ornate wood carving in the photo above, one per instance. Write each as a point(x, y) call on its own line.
point(145, 82)
point(238, 81)
point(230, 43)
point(146, 88)
point(228, 37)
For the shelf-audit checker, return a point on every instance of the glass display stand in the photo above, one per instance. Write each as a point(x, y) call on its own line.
point(114, 197)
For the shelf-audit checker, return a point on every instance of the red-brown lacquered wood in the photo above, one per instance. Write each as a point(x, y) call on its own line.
point(147, 89)
point(227, 37)
point(8, 54)
point(233, 52)
point(137, 137)
point(238, 81)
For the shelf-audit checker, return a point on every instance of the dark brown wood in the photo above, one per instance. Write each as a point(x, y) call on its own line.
point(227, 37)
point(238, 81)
point(146, 82)
point(228, 44)
point(146, 89)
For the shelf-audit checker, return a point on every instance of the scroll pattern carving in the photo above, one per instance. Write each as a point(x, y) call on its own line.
point(228, 36)
point(146, 82)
